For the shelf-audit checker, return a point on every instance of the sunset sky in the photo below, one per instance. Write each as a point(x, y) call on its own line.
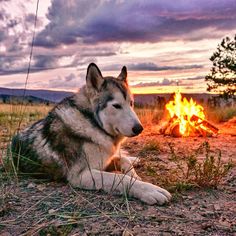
point(160, 41)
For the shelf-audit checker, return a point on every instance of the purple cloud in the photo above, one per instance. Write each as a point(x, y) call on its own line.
point(134, 20)
point(150, 66)
point(164, 82)
point(153, 67)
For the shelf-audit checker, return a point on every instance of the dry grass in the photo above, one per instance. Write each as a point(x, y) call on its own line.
point(12, 118)
point(13, 115)
point(28, 112)
point(149, 115)
point(206, 172)
point(222, 114)
point(151, 146)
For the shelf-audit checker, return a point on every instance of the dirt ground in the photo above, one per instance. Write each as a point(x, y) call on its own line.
point(37, 207)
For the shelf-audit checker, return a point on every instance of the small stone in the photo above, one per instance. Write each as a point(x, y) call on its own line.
point(41, 187)
point(51, 211)
point(127, 233)
point(31, 185)
point(206, 226)
point(217, 207)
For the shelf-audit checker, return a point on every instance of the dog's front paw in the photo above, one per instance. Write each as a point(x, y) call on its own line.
point(151, 194)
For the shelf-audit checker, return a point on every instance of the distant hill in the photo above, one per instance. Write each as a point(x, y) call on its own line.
point(45, 95)
point(57, 96)
point(153, 98)
point(5, 98)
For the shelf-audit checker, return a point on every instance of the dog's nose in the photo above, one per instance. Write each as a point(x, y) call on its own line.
point(137, 129)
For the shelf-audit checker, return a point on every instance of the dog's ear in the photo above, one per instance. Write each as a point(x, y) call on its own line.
point(123, 74)
point(94, 77)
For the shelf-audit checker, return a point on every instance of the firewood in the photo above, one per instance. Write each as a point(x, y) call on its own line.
point(199, 127)
point(174, 130)
point(204, 123)
point(166, 126)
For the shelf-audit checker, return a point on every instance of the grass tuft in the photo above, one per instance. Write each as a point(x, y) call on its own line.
point(149, 115)
point(221, 114)
point(151, 146)
point(191, 171)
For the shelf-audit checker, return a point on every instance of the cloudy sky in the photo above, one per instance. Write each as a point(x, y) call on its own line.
point(160, 41)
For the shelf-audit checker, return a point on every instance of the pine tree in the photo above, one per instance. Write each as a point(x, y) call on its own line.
point(222, 78)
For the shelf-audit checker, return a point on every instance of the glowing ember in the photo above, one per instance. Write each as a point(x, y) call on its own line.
point(187, 118)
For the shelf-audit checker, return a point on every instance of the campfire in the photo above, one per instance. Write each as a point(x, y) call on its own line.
point(186, 118)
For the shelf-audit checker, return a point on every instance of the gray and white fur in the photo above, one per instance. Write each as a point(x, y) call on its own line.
point(79, 140)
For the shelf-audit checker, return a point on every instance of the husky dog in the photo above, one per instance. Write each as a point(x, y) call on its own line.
point(80, 138)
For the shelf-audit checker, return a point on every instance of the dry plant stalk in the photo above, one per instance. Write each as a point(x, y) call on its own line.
point(208, 172)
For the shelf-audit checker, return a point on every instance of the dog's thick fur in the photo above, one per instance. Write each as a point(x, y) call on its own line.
point(80, 138)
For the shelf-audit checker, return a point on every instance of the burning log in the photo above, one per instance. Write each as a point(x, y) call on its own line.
point(200, 128)
point(186, 119)
point(175, 130)
point(204, 123)
point(197, 127)
point(167, 125)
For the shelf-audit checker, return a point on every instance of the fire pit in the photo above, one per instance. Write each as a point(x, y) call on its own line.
point(186, 118)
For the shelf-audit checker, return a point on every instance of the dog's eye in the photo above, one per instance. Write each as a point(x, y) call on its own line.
point(131, 103)
point(117, 106)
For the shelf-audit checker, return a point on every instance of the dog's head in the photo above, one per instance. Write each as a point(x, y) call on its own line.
point(112, 102)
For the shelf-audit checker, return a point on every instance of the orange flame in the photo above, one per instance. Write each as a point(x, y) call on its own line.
point(182, 110)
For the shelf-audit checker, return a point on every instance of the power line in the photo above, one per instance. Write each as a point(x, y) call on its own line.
point(31, 50)
point(29, 65)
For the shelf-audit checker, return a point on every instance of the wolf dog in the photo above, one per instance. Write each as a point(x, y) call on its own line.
point(79, 140)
